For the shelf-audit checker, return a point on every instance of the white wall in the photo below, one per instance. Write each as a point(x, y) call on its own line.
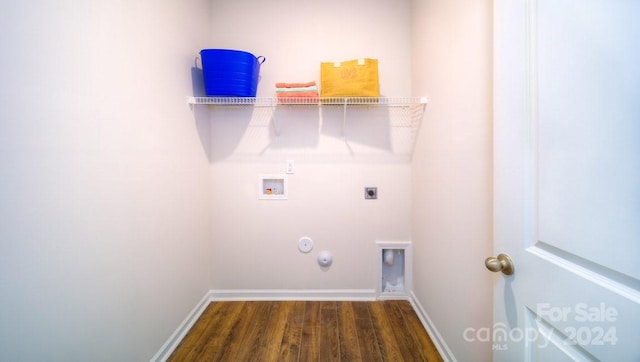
point(255, 241)
point(107, 177)
point(452, 170)
point(104, 207)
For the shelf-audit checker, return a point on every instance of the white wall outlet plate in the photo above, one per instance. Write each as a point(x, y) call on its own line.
point(305, 244)
point(290, 168)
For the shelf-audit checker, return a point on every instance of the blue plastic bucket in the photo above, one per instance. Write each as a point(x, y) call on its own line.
point(230, 73)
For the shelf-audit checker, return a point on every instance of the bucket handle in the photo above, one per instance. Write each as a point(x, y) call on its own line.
point(261, 59)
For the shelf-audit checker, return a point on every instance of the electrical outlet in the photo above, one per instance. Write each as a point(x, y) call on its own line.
point(290, 167)
point(370, 193)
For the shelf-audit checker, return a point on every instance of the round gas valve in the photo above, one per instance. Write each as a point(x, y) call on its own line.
point(325, 258)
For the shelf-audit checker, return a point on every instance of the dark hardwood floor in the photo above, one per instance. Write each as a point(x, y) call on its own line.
point(307, 331)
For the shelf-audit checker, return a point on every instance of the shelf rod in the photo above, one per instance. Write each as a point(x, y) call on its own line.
point(344, 116)
point(273, 118)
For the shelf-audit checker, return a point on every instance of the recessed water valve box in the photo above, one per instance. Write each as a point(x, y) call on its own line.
point(272, 187)
point(370, 193)
point(394, 271)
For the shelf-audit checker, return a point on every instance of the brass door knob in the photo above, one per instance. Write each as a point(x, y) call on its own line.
point(502, 263)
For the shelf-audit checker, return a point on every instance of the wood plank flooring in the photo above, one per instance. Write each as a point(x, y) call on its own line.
point(307, 331)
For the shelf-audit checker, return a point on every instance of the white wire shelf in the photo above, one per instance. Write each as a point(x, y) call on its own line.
point(405, 113)
point(320, 101)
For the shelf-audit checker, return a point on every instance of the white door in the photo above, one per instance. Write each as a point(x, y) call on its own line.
point(567, 179)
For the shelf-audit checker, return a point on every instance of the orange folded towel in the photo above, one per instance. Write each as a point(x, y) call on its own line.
point(298, 97)
point(297, 89)
point(295, 85)
point(297, 94)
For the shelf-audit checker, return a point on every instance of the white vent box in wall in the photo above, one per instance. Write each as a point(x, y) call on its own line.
point(393, 260)
point(272, 187)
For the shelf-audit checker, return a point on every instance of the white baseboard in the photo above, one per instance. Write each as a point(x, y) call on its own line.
point(184, 327)
point(294, 294)
point(440, 344)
